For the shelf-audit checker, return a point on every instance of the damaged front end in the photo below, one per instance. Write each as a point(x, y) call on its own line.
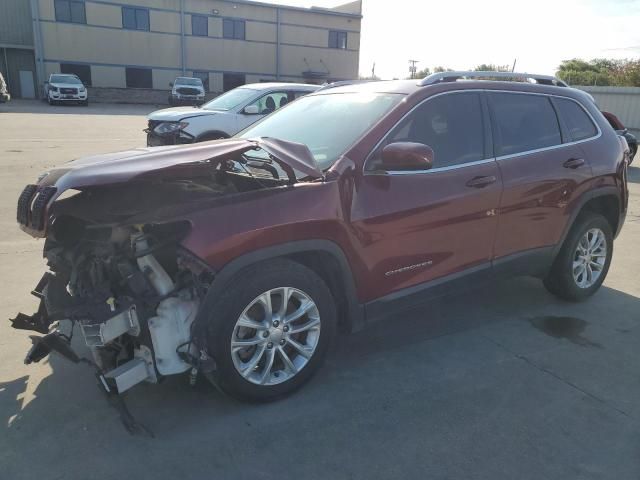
point(114, 226)
point(132, 292)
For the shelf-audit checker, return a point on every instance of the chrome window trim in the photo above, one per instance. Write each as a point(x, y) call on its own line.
point(433, 170)
point(487, 160)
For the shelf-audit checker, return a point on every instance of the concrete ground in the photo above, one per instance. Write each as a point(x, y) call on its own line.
point(505, 382)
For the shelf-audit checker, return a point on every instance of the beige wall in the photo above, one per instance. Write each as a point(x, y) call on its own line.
point(341, 64)
point(166, 21)
point(108, 77)
point(64, 41)
point(109, 50)
point(105, 15)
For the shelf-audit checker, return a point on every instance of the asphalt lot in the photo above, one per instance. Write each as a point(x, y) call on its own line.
point(505, 382)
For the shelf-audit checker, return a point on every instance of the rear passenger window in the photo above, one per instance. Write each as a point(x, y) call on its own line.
point(576, 119)
point(523, 122)
point(450, 124)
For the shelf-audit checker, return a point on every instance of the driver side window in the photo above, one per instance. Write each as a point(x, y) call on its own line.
point(271, 102)
point(451, 124)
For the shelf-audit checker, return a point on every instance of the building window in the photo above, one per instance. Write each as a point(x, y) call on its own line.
point(233, 29)
point(232, 80)
point(83, 72)
point(199, 25)
point(135, 18)
point(337, 39)
point(70, 11)
point(139, 77)
point(204, 76)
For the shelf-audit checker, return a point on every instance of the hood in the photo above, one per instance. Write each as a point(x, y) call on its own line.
point(176, 114)
point(66, 85)
point(124, 166)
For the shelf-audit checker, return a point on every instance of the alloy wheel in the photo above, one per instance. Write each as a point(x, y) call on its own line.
point(590, 258)
point(275, 336)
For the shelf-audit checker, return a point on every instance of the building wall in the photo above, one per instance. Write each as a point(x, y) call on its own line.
point(623, 102)
point(16, 43)
point(301, 34)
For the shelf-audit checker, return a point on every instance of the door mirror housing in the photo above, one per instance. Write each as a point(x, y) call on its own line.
point(407, 156)
point(251, 110)
point(171, 84)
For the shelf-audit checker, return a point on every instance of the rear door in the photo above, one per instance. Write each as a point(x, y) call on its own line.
point(418, 226)
point(543, 168)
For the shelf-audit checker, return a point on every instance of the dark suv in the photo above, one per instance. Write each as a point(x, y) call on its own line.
point(239, 259)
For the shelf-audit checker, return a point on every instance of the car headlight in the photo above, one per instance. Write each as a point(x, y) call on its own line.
point(53, 89)
point(82, 90)
point(170, 127)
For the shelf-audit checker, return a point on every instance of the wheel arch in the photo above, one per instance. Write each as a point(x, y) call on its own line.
point(324, 257)
point(211, 134)
point(604, 201)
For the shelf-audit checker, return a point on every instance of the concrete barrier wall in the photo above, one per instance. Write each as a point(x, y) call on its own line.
point(623, 102)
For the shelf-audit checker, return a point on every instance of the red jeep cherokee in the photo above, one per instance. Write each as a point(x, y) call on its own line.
point(239, 258)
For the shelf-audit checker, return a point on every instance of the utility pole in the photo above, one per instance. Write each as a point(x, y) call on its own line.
point(373, 71)
point(413, 69)
point(513, 69)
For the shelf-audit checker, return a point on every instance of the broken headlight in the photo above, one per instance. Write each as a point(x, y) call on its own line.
point(170, 127)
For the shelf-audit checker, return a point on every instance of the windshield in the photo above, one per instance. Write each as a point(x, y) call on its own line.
point(65, 79)
point(328, 124)
point(188, 81)
point(230, 100)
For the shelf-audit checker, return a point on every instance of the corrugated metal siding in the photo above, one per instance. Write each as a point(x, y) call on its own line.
point(15, 23)
point(623, 102)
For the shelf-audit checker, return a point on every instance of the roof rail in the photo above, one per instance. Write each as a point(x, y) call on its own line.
point(507, 76)
point(342, 83)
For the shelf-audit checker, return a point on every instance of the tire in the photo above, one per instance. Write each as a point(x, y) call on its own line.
point(50, 102)
point(243, 291)
point(561, 280)
point(632, 154)
point(207, 137)
point(84, 103)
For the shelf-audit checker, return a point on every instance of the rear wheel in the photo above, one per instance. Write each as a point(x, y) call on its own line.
point(269, 332)
point(584, 259)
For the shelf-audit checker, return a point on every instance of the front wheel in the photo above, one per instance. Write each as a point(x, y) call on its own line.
point(269, 332)
point(584, 259)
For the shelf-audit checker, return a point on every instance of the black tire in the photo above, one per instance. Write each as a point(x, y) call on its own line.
point(50, 102)
point(632, 154)
point(242, 290)
point(209, 136)
point(84, 103)
point(559, 280)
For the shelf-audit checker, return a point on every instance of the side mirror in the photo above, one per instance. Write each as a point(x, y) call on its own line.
point(407, 156)
point(251, 110)
point(171, 84)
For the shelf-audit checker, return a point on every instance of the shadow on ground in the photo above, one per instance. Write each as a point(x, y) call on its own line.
point(457, 372)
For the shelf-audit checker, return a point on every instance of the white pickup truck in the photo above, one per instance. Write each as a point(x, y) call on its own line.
point(63, 88)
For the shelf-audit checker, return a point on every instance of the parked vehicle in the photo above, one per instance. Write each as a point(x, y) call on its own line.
point(620, 129)
point(239, 259)
point(186, 91)
point(222, 117)
point(65, 88)
point(4, 91)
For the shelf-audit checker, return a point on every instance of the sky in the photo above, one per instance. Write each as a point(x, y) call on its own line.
point(460, 34)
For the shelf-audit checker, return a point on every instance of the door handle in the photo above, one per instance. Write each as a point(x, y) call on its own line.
point(573, 163)
point(481, 182)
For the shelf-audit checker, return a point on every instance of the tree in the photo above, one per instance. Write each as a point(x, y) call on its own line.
point(490, 67)
point(421, 73)
point(442, 69)
point(601, 72)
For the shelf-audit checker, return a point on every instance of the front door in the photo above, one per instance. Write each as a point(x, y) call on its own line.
point(414, 227)
point(27, 89)
point(542, 172)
